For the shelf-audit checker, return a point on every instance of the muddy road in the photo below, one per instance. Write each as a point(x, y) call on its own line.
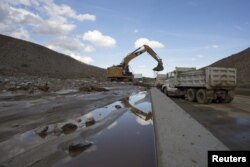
point(71, 128)
point(230, 123)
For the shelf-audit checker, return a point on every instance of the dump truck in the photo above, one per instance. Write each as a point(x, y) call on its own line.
point(159, 80)
point(203, 85)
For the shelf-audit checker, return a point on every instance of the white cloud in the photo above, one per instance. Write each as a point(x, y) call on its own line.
point(72, 44)
point(54, 27)
point(136, 31)
point(72, 47)
point(21, 34)
point(98, 39)
point(144, 41)
point(200, 56)
point(23, 16)
point(55, 10)
point(83, 17)
point(84, 59)
point(215, 46)
point(89, 48)
point(43, 17)
point(23, 2)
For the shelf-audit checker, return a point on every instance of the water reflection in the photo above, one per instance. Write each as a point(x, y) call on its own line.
point(139, 113)
point(119, 133)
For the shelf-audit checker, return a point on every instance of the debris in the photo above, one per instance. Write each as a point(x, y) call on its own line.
point(44, 88)
point(57, 131)
point(77, 148)
point(42, 131)
point(86, 88)
point(78, 120)
point(90, 121)
point(118, 106)
point(69, 128)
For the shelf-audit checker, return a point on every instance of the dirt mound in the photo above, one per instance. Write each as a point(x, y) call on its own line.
point(18, 57)
point(241, 61)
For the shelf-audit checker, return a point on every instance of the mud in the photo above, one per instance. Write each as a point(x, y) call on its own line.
point(55, 129)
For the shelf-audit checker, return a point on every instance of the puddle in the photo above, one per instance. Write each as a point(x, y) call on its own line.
point(119, 134)
point(128, 141)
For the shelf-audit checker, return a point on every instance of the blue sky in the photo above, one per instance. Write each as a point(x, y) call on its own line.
point(182, 32)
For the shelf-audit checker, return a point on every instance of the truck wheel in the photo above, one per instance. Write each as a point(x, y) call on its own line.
point(227, 99)
point(191, 95)
point(165, 91)
point(202, 97)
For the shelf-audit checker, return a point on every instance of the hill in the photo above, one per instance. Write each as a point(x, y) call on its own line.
point(18, 57)
point(241, 61)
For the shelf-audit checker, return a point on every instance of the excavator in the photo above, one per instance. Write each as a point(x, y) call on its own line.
point(121, 72)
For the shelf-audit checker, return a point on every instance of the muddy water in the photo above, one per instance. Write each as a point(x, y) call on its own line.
point(119, 134)
point(127, 141)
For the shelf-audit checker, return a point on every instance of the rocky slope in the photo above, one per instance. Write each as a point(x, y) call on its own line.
point(18, 57)
point(241, 61)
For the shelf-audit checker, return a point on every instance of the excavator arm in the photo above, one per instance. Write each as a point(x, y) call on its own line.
point(121, 72)
point(139, 51)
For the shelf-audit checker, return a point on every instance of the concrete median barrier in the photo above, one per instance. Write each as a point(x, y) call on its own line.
point(180, 139)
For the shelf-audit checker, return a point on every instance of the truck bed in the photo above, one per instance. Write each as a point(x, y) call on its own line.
point(209, 77)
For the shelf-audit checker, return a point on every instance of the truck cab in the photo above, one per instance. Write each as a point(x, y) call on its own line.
point(169, 86)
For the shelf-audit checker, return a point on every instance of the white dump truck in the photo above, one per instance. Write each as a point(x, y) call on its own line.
point(203, 86)
point(159, 80)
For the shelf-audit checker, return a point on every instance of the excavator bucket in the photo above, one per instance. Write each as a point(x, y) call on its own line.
point(159, 67)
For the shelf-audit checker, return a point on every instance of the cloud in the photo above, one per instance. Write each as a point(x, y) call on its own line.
point(21, 33)
point(54, 27)
point(144, 41)
point(84, 59)
point(23, 16)
point(136, 31)
point(215, 46)
point(200, 56)
point(98, 39)
point(38, 16)
point(55, 10)
point(72, 44)
point(73, 47)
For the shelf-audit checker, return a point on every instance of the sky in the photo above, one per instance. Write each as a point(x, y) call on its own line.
point(184, 33)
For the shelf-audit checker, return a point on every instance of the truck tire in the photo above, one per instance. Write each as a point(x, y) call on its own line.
point(201, 96)
point(165, 91)
point(191, 95)
point(227, 99)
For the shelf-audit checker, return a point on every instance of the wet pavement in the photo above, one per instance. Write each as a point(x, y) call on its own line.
point(119, 134)
point(230, 123)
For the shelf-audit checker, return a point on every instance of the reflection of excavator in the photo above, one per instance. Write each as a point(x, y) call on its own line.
point(143, 115)
point(121, 72)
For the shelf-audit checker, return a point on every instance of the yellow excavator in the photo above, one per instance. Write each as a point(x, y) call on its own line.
point(121, 72)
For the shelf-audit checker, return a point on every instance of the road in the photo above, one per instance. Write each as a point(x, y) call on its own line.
point(230, 123)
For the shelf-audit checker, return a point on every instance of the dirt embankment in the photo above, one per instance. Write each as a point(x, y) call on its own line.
point(240, 61)
point(18, 57)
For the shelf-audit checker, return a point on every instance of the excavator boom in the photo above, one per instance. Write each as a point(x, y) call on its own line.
point(139, 51)
point(121, 72)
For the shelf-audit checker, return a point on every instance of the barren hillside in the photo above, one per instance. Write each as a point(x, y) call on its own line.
point(18, 57)
point(241, 61)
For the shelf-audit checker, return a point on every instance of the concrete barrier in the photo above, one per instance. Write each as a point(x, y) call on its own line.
point(180, 139)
